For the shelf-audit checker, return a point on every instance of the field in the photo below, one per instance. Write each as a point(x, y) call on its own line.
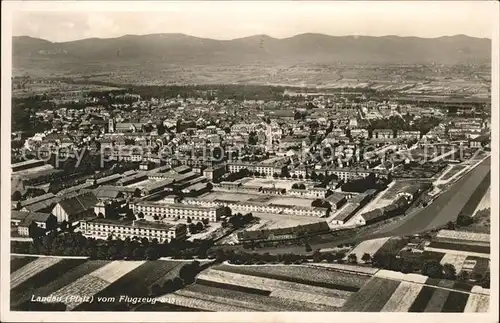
point(18, 262)
point(29, 287)
point(402, 298)
point(136, 283)
point(56, 282)
point(302, 274)
point(369, 246)
point(311, 287)
point(477, 303)
point(31, 269)
point(268, 288)
point(373, 296)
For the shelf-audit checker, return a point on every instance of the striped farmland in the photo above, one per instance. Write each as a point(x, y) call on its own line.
point(31, 269)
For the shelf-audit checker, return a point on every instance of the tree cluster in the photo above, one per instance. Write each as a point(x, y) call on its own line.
point(75, 244)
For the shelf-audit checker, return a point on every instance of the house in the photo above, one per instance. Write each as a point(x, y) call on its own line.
point(75, 208)
point(283, 233)
point(215, 172)
point(336, 200)
point(23, 220)
point(382, 133)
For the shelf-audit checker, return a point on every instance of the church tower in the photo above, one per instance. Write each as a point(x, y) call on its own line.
point(111, 125)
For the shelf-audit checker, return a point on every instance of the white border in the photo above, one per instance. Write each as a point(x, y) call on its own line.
point(8, 316)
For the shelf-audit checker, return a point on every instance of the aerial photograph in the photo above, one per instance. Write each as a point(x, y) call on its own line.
point(266, 157)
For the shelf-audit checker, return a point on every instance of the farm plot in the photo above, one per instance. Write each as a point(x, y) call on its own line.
point(60, 281)
point(302, 275)
point(423, 298)
point(253, 301)
point(203, 304)
point(455, 303)
point(279, 288)
point(135, 283)
point(437, 301)
point(456, 260)
point(372, 296)
point(402, 298)
point(369, 246)
point(477, 303)
point(43, 277)
point(31, 269)
point(18, 262)
point(94, 282)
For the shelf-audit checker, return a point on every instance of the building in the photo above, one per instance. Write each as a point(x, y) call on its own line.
point(157, 210)
point(23, 220)
point(312, 192)
point(346, 213)
point(336, 200)
point(408, 134)
point(267, 167)
point(215, 172)
point(283, 233)
point(382, 133)
point(359, 133)
point(103, 228)
point(249, 206)
point(75, 208)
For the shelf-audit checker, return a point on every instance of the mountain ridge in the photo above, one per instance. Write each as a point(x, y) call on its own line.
point(310, 48)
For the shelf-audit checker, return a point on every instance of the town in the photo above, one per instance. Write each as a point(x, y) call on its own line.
point(157, 171)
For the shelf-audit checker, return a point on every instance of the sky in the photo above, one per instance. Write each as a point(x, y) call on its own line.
point(59, 21)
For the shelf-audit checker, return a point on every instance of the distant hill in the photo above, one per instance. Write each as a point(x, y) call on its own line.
point(305, 48)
